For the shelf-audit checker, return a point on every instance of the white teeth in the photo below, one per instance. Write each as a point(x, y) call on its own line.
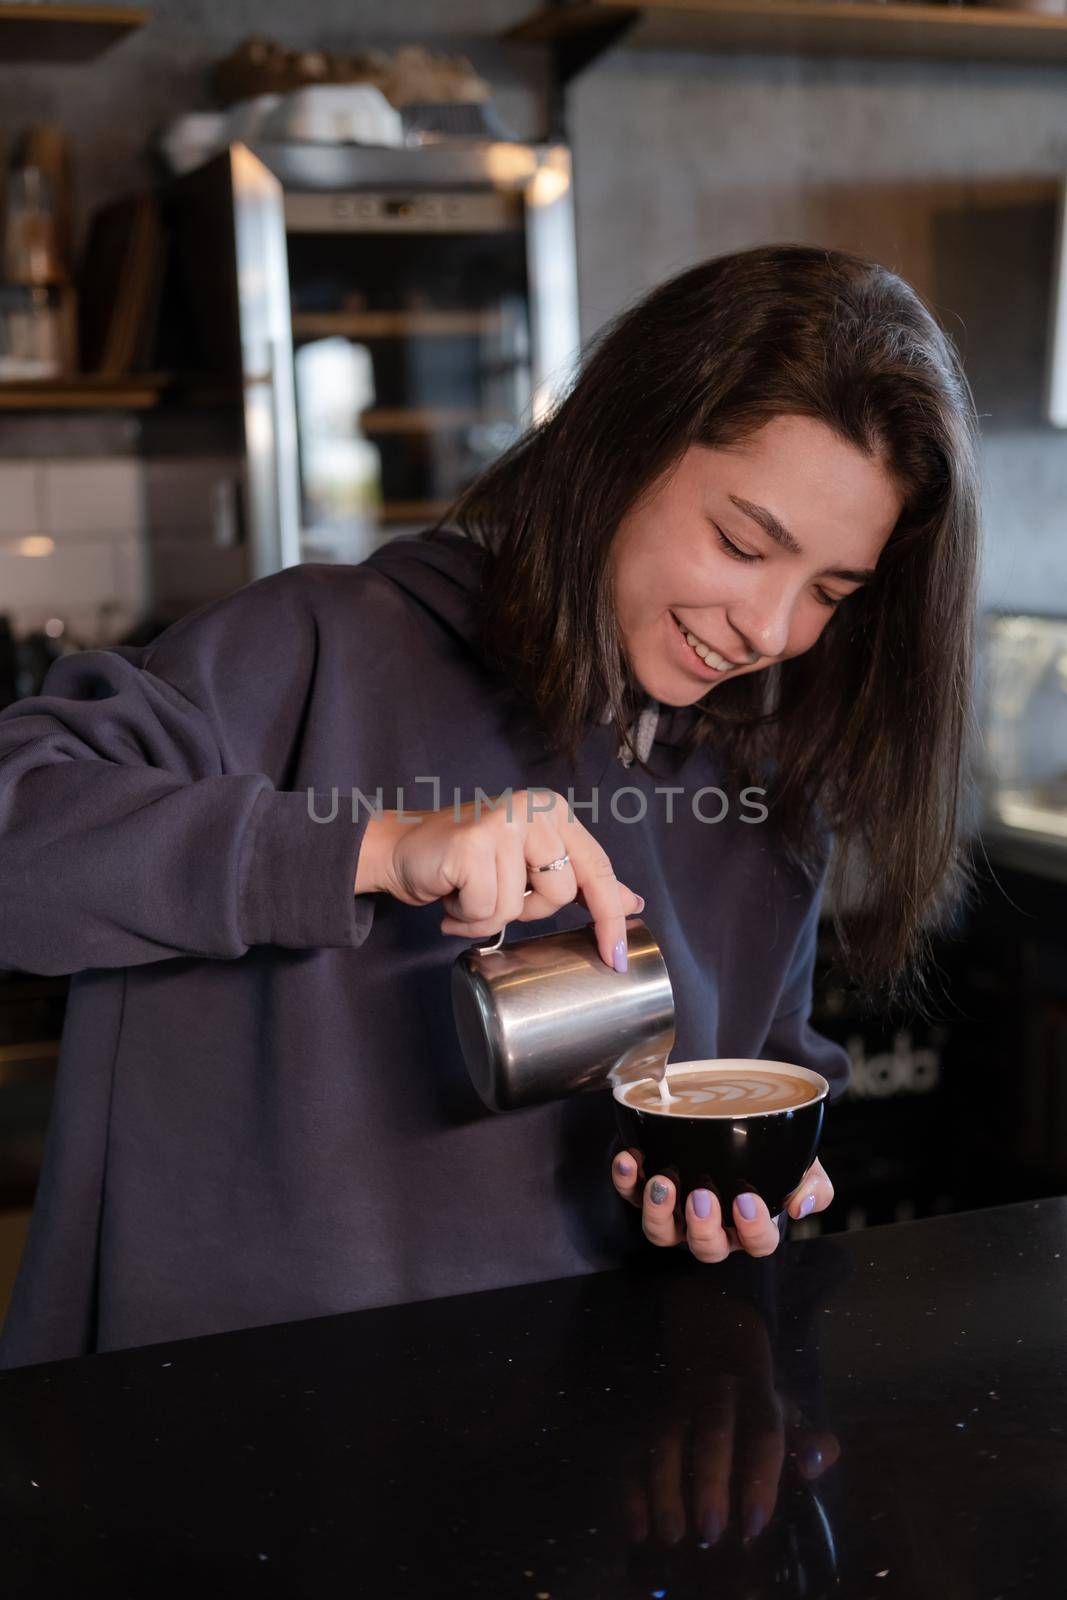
point(706, 653)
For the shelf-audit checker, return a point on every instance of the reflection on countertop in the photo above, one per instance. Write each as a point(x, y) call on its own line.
point(876, 1414)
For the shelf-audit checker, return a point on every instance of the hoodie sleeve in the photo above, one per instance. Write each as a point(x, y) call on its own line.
point(143, 807)
point(791, 1036)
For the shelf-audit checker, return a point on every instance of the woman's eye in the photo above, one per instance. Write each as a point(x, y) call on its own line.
point(733, 549)
point(826, 599)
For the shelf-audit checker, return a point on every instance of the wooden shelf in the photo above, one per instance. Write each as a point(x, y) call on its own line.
point(393, 324)
point(427, 511)
point(813, 27)
point(88, 393)
point(63, 33)
point(427, 419)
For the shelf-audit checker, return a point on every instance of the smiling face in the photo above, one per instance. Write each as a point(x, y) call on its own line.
point(746, 550)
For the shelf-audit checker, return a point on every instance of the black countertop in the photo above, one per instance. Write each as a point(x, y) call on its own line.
point(1039, 855)
point(876, 1414)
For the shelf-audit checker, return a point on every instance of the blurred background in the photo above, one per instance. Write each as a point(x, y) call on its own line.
point(278, 280)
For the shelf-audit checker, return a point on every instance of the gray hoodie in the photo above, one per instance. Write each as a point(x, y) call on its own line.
point(261, 1111)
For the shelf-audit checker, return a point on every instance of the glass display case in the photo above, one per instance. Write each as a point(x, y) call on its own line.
point(1024, 691)
point(412, 362)
point(387, 322)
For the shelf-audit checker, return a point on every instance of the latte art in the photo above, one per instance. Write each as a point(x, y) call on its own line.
point(721, 1093)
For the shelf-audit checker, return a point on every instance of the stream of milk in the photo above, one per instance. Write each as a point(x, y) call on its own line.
point(664, 1092)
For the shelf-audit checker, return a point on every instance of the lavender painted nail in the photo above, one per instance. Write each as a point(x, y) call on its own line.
point(672, 1527)
point(807, 1207)
point(658, 1192)
point(755, 1521)
point(619, 956)
point(711, 1527)
point(702, 1203)
point(746, 1204)
point(625, 1169)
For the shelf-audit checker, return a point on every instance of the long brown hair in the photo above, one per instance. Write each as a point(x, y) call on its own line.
point(864, 733)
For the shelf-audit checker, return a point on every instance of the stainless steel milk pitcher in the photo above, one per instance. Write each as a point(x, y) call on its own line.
point(542, 1018)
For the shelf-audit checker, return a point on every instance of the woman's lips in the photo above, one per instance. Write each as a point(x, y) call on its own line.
point(689, 658)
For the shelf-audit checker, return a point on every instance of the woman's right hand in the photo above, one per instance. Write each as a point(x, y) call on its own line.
point(480, 860)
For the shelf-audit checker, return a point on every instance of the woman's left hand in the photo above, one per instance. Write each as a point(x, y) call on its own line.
point(702, 1227)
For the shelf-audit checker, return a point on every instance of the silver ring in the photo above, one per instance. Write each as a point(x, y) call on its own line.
point(554, 866)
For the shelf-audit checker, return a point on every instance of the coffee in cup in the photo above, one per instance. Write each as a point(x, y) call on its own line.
point(731, 1126)
point(720, 1091)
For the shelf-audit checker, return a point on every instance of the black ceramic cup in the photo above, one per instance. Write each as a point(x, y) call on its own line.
point(729, 1152)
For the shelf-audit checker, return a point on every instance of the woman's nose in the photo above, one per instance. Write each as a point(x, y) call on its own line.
point(763, 621)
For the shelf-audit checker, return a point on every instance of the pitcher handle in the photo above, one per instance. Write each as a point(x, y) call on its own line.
point(492, 949)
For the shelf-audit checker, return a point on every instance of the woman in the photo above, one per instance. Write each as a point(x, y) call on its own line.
point(744, 546)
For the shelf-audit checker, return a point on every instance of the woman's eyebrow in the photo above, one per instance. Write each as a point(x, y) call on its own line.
point(782, 536)
point(769, 523)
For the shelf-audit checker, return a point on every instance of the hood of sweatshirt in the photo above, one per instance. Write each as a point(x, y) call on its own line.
point(444, 575)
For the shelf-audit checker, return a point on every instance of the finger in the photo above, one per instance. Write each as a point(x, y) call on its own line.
point(756, 1232)
point(627, 1175)
point(453, 921)
point(635, 1509)
point(666, 1478)
point(472, 904)
point(713, 1456)
point(632, 902)
point(511, 885)
point(761, 1472)
point(509, 888)
point(543, 844)
point(816, 1453)
point(539, 905)
point(489, 925)
point(704, 1231)
point(549, 891)
point(815, 1193)
point(658, 1220)
point(601, 891)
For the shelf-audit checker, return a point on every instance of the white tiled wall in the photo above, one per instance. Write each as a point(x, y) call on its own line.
point(72, 545)
point(18, 497)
